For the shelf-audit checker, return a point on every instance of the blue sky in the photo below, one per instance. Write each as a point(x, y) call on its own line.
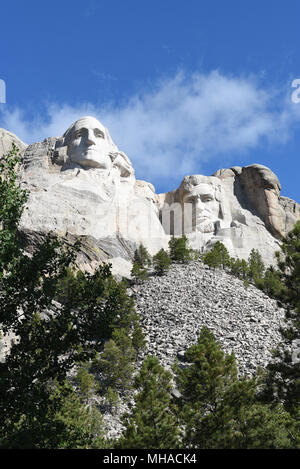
point(183, 87)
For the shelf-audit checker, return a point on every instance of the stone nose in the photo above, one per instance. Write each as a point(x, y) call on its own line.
point(90, 137)
point(199, 204)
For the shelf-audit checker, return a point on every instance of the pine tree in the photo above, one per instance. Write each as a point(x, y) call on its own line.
point(179, 250)
point(142, 256)
point(141, 263)
point(218, 409)
point(272, 284)
point(266, 427)
point(151, 424)
point(218, 256)
point(283, 381)
point(67, 424)
point(115, 364)
point(256, 267)
point(85, 383)
point(12, 202)
point(239, 268)
point(139, 273)
point(72, 424)
point(69, 283)
point(161, 262)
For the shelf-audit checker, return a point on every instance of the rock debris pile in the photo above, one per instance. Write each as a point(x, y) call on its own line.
point(175, 307)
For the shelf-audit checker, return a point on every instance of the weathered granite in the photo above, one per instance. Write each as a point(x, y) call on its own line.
point(241, 207)
point(6, 141)
point(292, 212)
point(82, 185)
point(262, 189)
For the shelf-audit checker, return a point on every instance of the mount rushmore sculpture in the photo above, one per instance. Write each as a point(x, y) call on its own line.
point(82, 187)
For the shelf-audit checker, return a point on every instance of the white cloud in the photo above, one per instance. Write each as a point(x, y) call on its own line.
point(180, 124)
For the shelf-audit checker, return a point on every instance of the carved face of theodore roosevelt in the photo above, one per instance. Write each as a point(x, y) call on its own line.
point(88, 144)
point(203, 192)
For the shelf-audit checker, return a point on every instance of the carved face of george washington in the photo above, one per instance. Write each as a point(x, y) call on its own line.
point(88, 144)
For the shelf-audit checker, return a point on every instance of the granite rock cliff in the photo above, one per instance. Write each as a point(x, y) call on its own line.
point(82, 186)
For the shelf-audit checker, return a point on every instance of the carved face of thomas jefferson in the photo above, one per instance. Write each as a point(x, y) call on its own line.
point(88, 145)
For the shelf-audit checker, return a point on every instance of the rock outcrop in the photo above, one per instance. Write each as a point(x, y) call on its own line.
point(262, 188)
point(82, 186)
point(6, 141)
point(241, 207)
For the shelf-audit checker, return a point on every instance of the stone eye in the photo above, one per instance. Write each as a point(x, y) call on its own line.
point(190, 199)
point(98, 133)
point(77, 134)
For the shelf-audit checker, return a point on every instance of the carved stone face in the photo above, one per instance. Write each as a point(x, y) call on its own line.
point(203, 193)
point(88, 144)
point(263, 190)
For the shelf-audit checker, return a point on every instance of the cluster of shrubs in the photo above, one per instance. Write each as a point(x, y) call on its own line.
point(178, 252)
point(252, 270)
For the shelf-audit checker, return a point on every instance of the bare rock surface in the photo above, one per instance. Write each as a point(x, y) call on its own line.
point(6, 141)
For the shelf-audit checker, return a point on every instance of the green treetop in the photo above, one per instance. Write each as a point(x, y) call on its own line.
point(161, 262)
point(218, 256)
point(256, 266)
point(142, 257)
point(218, 409)
point(284, 371)
point(141, 263)
point(151, 424)
point(179, 250)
